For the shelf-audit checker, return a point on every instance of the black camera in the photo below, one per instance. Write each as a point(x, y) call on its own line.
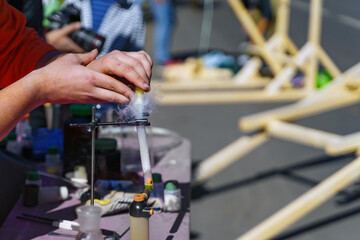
point(85, 38)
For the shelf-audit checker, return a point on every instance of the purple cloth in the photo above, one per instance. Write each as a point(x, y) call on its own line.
point(174, 165)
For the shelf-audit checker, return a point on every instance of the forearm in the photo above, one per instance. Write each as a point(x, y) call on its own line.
point(18, 99)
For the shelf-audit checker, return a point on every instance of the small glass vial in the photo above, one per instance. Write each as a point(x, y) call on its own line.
point(52, 160)
point(89, 221)
point(172, 196)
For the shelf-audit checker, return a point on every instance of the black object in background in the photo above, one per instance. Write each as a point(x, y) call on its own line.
point(85, 38)
point(33, 11)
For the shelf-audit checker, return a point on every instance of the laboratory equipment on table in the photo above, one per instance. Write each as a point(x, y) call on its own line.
point(137, 122)
point(139, 217)
point(89, 221)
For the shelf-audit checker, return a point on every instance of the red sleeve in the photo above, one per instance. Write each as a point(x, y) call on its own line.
point(20, 47)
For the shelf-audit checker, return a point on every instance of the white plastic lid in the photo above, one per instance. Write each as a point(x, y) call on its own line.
point(64, 192)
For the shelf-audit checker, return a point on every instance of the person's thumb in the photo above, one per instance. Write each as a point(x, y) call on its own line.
point(86, 58)
point(70, 28)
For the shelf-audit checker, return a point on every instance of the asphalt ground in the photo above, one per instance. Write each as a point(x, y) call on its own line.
point(237, 199)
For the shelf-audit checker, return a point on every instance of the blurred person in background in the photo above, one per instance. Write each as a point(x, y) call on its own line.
point(119, 21)
point(163, 12)
point(262, 12)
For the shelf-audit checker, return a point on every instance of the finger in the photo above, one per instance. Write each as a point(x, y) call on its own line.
point(145, 60)
point(86, 58)
point(112, 84)
point(122, 65)
point(135, 64)
point(70, 28)
point(105, 95)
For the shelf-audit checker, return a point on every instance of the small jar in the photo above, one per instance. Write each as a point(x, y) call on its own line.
point(172, 196)
point(52, 160)
point(31, 189)
point(158, 191)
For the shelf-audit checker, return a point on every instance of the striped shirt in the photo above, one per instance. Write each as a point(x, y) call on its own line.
point(119, 21)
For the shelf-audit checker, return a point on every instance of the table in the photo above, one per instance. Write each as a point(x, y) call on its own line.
point(176, 164)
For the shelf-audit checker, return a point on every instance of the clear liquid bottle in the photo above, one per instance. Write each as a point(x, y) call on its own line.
point(89, 220)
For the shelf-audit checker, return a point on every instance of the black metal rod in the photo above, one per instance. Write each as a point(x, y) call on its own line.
point(92, 156)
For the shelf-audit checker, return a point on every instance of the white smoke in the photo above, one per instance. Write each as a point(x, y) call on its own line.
point(133, 109)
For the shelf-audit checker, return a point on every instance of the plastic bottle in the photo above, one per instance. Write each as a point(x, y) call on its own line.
point(52, 160)
point(172, 196)
point(89, 220)
point(158, 191)
point(31, 189)
point(53, 194)
point(139, 218)
point(13, 145)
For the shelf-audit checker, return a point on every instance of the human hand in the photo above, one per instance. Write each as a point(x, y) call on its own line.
point(131, 68)
point(60, 40)
point(68, 80)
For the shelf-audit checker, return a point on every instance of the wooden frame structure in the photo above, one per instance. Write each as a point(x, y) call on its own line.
point(343, 91)
point(275, 54)
point(248, 77)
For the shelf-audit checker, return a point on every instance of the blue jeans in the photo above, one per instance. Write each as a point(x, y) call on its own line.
point(163, 13)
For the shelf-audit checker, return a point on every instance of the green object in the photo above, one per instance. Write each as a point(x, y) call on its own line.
point(105, 144)
point(172, 185)
point(33, 176)
point(323, 77)
point(156, 177)
point(52, 150)
point(50, 6)
point(81, 110)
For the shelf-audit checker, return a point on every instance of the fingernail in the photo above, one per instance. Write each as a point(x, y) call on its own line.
point(147, 86)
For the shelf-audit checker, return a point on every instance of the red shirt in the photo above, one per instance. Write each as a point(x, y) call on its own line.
point(20, 47)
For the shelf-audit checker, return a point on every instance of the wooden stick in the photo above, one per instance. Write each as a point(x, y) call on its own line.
point(248, 72)
point(255, 35)
point(222, 159)
point(208, 84)
point(346, 144)
point(307, 136)
point(228, 97)
point(305, 204)
point(298, 110)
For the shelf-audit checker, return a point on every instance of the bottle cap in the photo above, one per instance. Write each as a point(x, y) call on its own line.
point(172, 185)
point(33, 176)
point(156, 178)
point(105, 144)
point(26, 116)
point(139, 197)
point(53, 150)
point(81, 110)
point(64, 192)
